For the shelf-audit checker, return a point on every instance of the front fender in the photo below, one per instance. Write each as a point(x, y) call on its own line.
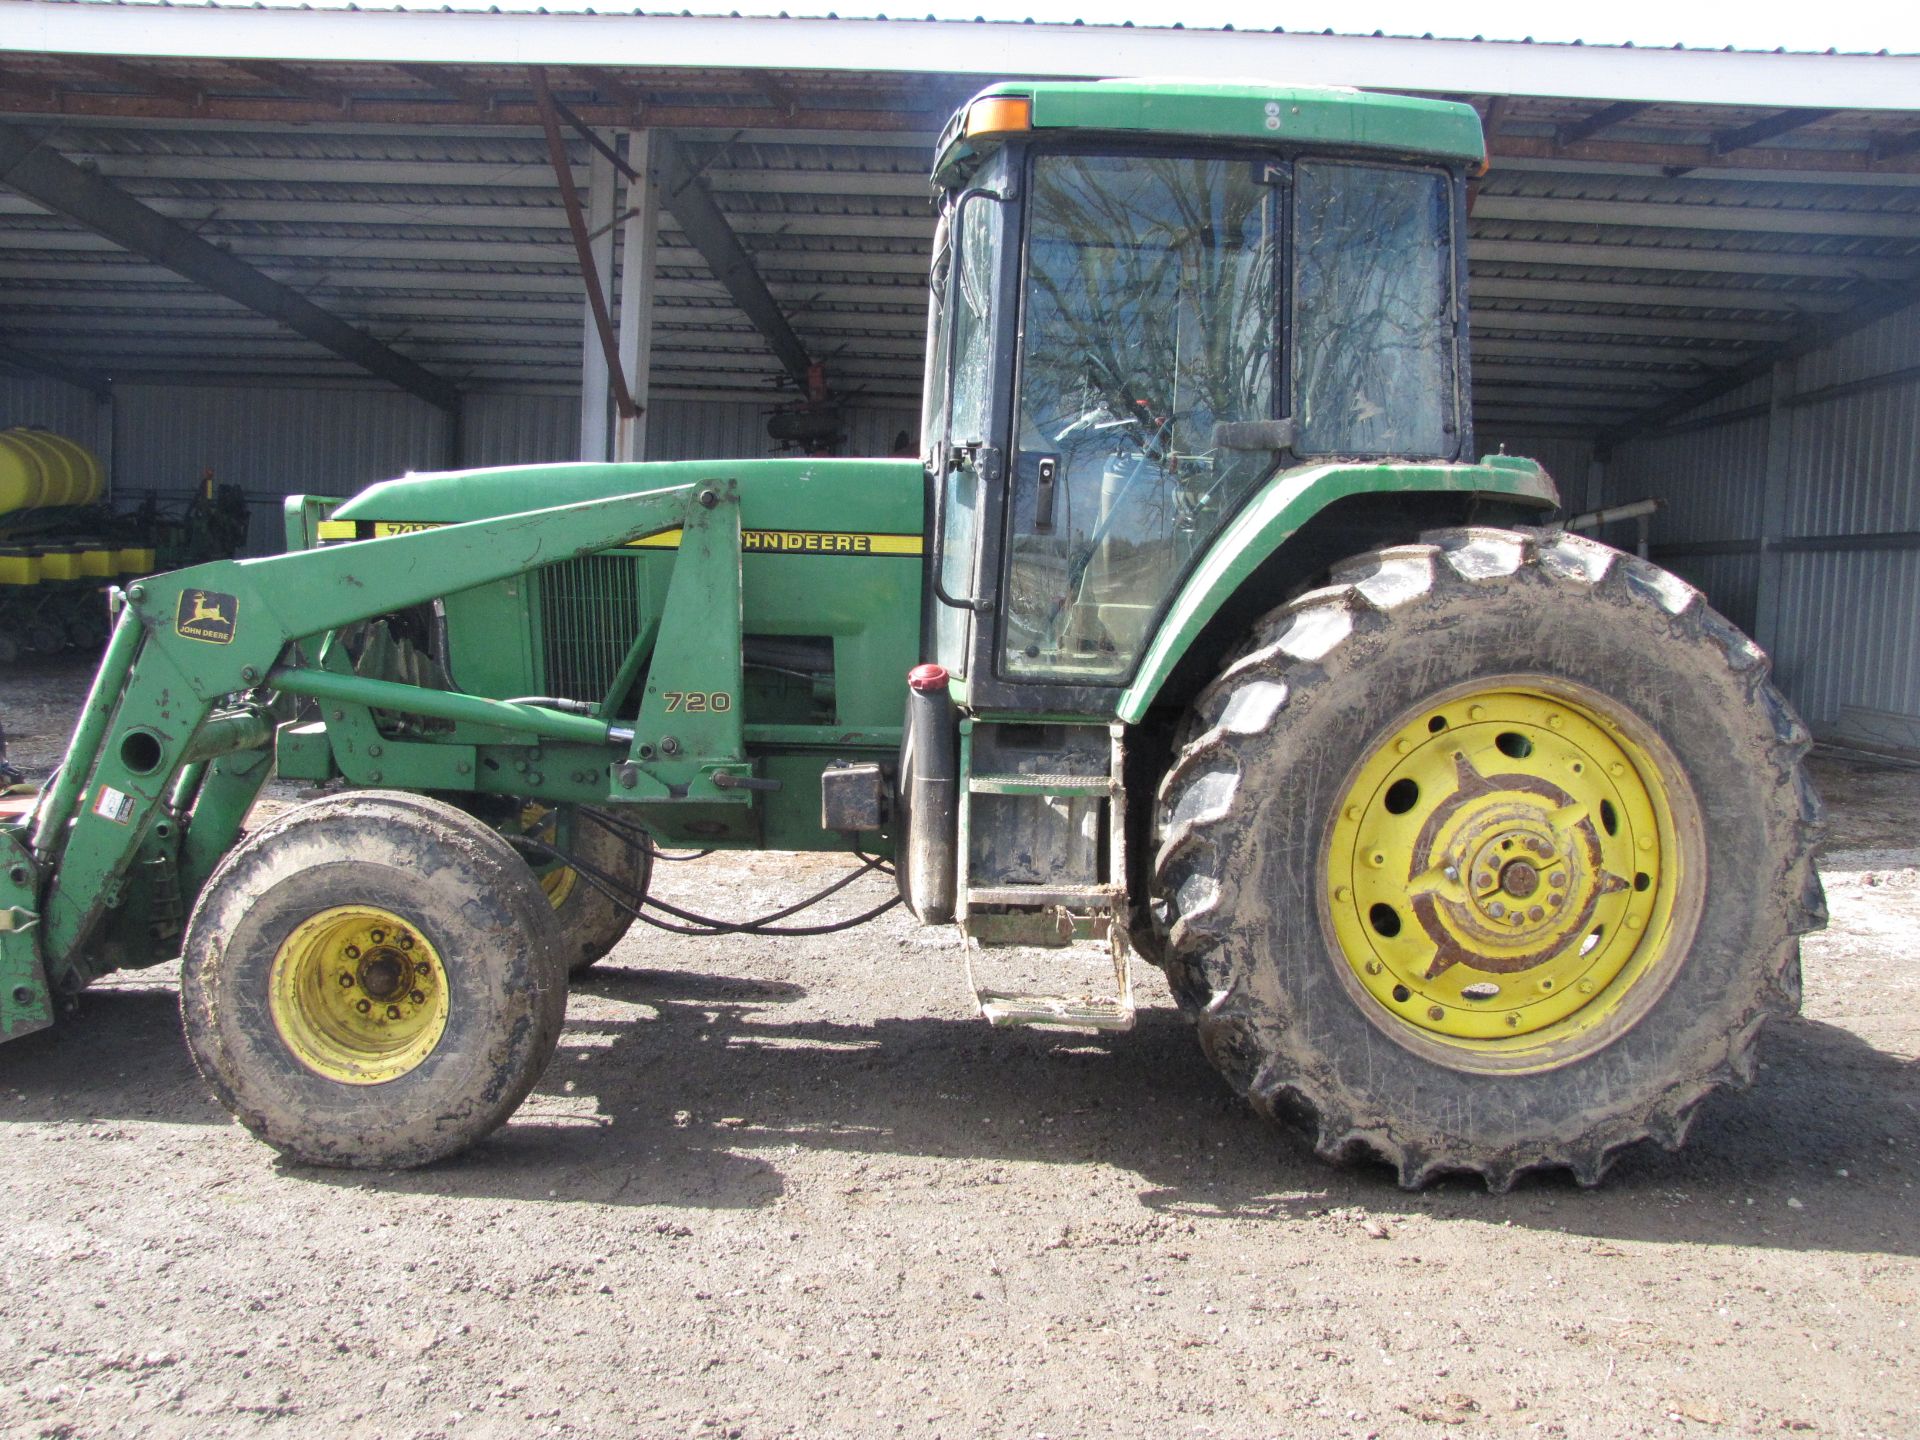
point(1276, 514)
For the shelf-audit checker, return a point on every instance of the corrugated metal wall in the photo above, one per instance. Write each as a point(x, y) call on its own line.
point(51, 405)
point(513, 429)
point(275, 441)
point(1836, 595)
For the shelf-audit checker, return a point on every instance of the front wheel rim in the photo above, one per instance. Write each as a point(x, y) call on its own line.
point(1510, 877)
point(359, 995)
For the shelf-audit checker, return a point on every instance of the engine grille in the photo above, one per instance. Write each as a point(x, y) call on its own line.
point(589, 613)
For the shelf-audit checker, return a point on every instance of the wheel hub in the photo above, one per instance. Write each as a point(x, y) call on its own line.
point(357, 995)
point(1502, 868)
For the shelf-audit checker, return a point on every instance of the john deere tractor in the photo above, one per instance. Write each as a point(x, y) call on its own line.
point(1196, 633)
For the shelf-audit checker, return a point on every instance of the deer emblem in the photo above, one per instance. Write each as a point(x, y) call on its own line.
point(203, 611)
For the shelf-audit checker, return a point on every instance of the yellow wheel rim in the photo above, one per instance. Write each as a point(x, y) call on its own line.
point(359, 995)
point(557, 881)
point(1505, 875)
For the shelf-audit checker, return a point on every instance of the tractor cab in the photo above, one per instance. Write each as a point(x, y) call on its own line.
point(1147, 300)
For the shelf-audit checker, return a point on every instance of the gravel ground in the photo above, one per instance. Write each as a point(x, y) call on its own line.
point(792, 1188)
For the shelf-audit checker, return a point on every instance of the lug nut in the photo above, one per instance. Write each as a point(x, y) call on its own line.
point(1513, 1022)
point(416, 997)
point(404, 941)
point(393, 1012)
point(1373, 967)
point(1434, 1012)
point(346, 981)
point(363, 1006)
point(352, 952)
point(379, 937)
point(1496, 910)
point(423, 968)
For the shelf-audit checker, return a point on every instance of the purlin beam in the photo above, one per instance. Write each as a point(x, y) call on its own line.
point(98, 385)
point(1888, 302)
point(34, 168)
point(1602, 119)
point(1761, 131)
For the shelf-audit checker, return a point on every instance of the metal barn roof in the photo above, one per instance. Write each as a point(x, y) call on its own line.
point(1628, 255)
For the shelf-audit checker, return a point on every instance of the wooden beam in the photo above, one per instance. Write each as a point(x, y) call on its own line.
point(1892, 147)
point(608, 85)
point(777, 94)
point(1678, 159)
point(294, 82)
point(442, 78)
point(138, 77)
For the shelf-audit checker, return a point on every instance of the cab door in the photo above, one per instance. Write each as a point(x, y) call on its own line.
point(969, 351)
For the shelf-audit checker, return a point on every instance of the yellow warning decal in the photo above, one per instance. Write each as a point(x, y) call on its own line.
point(336, 530)
point(665, 540)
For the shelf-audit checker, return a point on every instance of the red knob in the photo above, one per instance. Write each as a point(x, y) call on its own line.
point(927, 677)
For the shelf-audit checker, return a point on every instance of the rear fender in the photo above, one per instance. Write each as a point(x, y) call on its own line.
point(1278, 513)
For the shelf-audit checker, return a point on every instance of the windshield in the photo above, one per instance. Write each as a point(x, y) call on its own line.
point(1151, 385)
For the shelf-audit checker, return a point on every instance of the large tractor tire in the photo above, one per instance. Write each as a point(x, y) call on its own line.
point(1492, 855)
point(373, 980)
point(592, 922)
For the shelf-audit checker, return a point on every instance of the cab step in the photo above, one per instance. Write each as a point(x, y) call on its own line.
point(1077, 917)
point(1065, 786)
point(1072, 897)
point(1086, 1013)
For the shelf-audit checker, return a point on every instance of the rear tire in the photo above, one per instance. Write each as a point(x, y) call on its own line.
point(372, 980)
point(1492, 855)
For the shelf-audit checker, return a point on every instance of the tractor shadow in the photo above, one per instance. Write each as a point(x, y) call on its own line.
point(691, 1088)
point(681, 1088)
point(119, 1057)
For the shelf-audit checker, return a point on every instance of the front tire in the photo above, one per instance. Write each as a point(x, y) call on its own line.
point(1490, 856)
point(373, 980)
point(592, 922)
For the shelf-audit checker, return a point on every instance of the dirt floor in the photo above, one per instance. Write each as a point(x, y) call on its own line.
point(792, 1188)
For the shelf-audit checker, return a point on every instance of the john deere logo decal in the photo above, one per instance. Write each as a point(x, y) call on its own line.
point(207, 615)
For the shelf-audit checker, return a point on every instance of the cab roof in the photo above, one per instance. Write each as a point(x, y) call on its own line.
point(1295, 114)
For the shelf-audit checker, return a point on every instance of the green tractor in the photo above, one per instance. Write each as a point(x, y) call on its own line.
point(1197, 632)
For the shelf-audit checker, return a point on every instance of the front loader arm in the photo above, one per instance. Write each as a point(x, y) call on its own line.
point(150, 743)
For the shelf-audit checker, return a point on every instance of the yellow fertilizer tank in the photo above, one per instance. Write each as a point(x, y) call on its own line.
point(42, 471)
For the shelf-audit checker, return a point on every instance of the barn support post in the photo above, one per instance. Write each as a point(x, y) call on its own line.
point(1773, 503)
point(639, 240)
point(596, 406)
